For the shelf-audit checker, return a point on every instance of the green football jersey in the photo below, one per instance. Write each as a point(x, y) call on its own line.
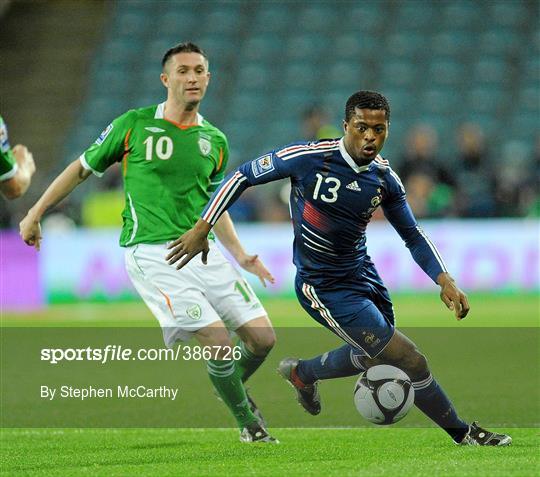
point(8, 164)
point(169, 171)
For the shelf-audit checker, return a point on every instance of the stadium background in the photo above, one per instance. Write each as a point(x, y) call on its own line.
point(463, 80)
point(461, 76)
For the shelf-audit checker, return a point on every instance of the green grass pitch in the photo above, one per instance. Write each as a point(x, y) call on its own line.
point(414, 449)
point(424, 310)
point(302, 452)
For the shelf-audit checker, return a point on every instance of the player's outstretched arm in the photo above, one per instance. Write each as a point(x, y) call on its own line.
point(190, 244)
point(71, 177)
point(425, 254)
point(452, 296)
point(226, 234)
point(18, 185)
point(194, 241)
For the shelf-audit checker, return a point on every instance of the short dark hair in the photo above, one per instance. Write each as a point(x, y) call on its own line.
point(366, 100)
point(186, 47)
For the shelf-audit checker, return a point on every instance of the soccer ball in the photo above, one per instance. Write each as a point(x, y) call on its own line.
point(383, 394)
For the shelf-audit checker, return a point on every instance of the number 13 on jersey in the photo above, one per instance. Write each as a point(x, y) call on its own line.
point(334, 184)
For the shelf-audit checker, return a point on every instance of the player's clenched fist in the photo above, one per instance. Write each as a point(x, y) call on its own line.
point(30, 231)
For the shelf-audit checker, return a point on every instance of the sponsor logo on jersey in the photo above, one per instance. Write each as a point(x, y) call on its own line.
point(194, 312)
point(205, 146)
point(104, 134)
point(354, 186)
point(154, 130)
point(262, 166)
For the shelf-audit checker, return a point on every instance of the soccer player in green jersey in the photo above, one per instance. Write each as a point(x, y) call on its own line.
point(172, 160)
point(16, 166)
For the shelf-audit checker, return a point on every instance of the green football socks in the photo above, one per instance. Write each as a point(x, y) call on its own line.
point(226, 380)
point(248, 362)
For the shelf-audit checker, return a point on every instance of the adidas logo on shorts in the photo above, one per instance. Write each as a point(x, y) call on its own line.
point(354, 186)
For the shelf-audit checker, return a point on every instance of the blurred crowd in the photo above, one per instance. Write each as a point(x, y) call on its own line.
point(474, 183)
point(477, 182)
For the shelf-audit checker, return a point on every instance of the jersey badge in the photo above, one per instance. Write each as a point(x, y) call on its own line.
point(194, 312)
point(104, 134)
point(262, 166)
point(4, 142)
point(375, 201)
point(204, 145)
point(354, 186)
point(154, 130)
point(370, 339)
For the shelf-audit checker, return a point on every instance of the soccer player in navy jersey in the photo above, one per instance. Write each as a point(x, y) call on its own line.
point(337, 184)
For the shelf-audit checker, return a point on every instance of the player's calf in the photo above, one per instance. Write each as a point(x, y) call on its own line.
point(429, 397)
point(257, 339)
point(223, 373)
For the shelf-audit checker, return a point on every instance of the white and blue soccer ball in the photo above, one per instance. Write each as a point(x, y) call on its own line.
point(383, 394)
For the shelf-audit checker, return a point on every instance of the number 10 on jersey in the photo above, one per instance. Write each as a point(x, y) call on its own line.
point(163, 148)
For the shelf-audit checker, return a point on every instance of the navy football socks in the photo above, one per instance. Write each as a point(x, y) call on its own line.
point(434, 403)
point(337, 363)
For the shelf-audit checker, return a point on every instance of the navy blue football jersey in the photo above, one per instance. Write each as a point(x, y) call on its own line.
point(332, 201)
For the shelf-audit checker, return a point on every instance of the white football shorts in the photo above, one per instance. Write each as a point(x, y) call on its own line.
point(192, 298)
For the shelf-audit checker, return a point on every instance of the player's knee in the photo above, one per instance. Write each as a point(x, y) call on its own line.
point(415, 364)
point(223, 351)
point(262, 342)
point(370, 362)
point(218, 340)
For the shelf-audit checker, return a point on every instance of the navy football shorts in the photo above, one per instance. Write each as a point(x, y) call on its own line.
point(357, 309)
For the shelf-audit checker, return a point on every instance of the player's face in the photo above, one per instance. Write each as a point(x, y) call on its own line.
point(186, 77)
point(365, 133)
